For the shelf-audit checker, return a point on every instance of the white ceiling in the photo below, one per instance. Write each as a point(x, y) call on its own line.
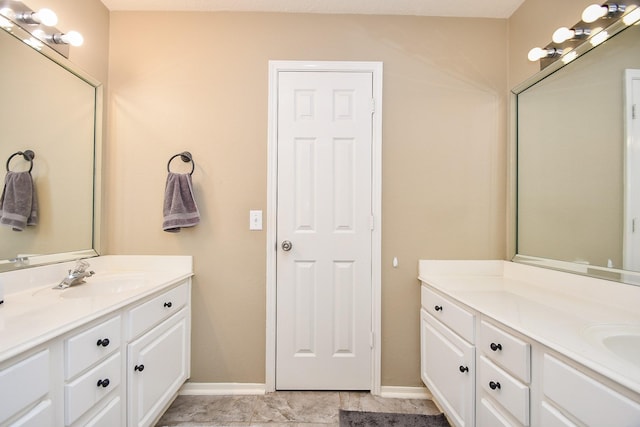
point(451, 8)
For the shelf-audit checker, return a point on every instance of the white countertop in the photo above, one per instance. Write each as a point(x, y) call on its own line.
point(562, 311)
point(33, 313)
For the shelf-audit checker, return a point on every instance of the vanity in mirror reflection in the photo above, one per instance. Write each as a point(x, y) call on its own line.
point(50, 108)
point(578, 162)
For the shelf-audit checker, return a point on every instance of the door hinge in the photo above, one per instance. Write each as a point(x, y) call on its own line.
point(633, 111)
point(371, 222)
point(373, 105)
point(371, 339)
point(633, 225)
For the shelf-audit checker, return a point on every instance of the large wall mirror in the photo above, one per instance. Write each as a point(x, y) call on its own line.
point(578, 163)
point(54, 110)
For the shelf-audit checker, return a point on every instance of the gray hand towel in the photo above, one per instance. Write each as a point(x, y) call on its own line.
point(180, 209)
point(18, 204)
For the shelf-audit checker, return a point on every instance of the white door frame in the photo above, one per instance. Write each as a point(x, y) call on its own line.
point(631, 171)
point(376, 200)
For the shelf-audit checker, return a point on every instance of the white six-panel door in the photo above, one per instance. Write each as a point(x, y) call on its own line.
point(324, 198)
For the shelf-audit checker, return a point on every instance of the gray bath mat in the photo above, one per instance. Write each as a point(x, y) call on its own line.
point(383, 419)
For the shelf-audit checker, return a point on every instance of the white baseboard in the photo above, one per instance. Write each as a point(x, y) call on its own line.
point(405, 392)
point(231, 389)
point(219, 389)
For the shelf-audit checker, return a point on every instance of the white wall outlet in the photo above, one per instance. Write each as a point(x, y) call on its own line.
point(255, 220)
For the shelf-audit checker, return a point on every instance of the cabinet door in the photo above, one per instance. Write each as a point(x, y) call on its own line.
point(157, 366)
point(448, 369)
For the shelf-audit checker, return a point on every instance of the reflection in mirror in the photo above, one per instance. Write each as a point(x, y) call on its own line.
point(571, 150)
point(50, 110)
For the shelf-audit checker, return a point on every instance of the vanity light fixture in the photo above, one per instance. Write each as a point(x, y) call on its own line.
point(538, 53)
point(5, 24)
point(45, 17)
point(563, 34)
point(596, 11)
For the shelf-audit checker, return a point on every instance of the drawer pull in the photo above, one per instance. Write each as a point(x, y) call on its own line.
point(463, 369)
point(139, 368)
point(103, 343)
point(103, 383)
point(438, 308)
point(495, 347)
point(494, 385)
point(167, 304)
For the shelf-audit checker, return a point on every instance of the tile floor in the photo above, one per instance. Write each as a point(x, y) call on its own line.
point(283, 408)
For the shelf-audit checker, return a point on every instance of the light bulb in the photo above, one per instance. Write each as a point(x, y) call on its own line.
point(594, 12)
point(536, 54)
point(562, 34)
point(5, 23)
point(8, 13)
point(632, 17)
point(73, 38)
point(47, 17)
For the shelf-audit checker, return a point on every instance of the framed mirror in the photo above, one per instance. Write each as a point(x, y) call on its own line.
point(578, 163)
point(53, 109)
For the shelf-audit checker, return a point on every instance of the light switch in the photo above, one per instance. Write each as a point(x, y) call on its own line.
point(255, 220)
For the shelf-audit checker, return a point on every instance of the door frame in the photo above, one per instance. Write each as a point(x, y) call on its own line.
point(630, 188)
point(375, 68)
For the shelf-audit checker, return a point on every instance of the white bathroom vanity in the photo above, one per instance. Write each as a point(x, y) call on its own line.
point(110, 352)
point(507, 344)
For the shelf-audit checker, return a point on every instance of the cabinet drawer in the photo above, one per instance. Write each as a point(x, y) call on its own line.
point(108, 417)
point(88, 347)
point(152, 312)
point(448, 312)
point(489, 416)
point(23, 383)
point(505, 350)
point(506, 390)
point(551, 417)
point(576, 393)
point(87, 390)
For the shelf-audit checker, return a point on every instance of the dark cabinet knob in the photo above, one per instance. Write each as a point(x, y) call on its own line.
point(103, 342)
point(494, 385)
point(139, 368)
point(438, 308)
point(463, 369)
point(495, 347)
point(167, 304)
point(103, 383)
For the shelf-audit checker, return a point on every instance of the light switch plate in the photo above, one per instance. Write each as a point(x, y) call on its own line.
point(255, 220)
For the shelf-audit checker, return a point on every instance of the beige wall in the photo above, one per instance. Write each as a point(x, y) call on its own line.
point(198, 82)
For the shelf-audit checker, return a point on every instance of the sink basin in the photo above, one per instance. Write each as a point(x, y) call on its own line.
point(622, 340)
point(104, 284)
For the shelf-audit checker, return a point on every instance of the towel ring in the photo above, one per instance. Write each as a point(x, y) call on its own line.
point(186, 157)
point(28, 156)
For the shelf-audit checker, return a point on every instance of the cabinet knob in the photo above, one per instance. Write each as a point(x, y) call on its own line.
point(495, 347)
point(103, 342)
point(139, 368)
point(103, 383)
point(167, 304)
point(494, 385)
point(463, 369)
point(438, 308)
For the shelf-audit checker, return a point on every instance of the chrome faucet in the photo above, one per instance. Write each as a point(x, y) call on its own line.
point(76, 275)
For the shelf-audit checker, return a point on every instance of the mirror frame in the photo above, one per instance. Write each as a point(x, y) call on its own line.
point(6, 265)
point(613, 274)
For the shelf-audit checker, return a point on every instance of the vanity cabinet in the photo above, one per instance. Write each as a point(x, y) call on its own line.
point(158, 361)
point(25, 391)
point(515, 380)
point(448, 359)
point(120, 369)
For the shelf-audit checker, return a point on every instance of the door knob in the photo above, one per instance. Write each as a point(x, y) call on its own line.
point(286, 245)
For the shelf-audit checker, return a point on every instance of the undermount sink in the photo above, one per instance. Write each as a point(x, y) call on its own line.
point(622, 340)
point(106, 284)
